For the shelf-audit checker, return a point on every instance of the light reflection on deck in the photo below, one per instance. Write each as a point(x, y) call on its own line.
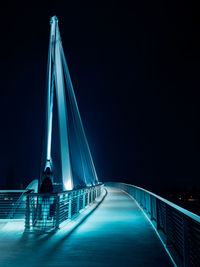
point(116, 234)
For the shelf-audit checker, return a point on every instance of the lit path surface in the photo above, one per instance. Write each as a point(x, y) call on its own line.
point(116, 234)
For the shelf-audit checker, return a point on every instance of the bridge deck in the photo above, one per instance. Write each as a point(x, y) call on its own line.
point(116, 234)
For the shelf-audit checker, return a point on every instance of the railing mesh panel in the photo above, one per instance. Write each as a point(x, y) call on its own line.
point(45, 212)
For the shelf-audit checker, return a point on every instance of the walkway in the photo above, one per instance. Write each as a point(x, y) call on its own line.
point(116, 234)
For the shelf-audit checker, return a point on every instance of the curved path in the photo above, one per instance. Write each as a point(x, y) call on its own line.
point(116, 234)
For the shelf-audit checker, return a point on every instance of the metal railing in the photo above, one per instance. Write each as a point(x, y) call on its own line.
point(46, 212)
point(13, 204)
point(178, 228)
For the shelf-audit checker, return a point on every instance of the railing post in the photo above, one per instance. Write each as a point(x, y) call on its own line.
point(98, 191)
point(93, 198)
point(27, 219)
point(91, 195)
point(168, 228)
point(151, 207)
point(57, 212)
point(70, 207)
point(157, 215)
point(186, 258)
point(78, 201)
point(88, 199)
point(84, 199)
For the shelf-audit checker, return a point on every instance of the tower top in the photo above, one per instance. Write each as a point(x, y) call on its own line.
point(54, 18)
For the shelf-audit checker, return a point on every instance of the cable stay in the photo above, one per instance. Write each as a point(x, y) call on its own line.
point(77, 166)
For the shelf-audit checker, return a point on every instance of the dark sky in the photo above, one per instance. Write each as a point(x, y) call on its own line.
point(135, 72)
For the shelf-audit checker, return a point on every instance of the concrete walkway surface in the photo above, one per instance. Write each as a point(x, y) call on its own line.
point(116, 234)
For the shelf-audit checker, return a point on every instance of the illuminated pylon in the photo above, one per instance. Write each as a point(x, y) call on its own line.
point(76, 159)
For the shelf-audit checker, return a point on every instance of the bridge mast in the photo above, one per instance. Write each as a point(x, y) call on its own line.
point(56, 79)
point(76, 158)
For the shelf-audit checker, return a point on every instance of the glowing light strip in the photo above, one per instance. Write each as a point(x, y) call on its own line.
point(49, 104)
point(62, 114)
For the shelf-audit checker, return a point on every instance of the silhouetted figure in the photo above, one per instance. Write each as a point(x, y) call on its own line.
point(47, 186)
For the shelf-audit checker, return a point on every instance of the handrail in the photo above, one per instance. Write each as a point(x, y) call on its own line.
point(16, 206)
point(177, 228)
point(46, 212)
point(186, 212)
point(12, 205)
point(65, 192)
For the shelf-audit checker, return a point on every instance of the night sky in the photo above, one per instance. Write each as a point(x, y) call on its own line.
point(135, 73)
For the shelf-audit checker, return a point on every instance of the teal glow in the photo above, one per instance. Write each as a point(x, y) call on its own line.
point(115, 234)
point(164, 245)
point(50, 92)
point(184, 211)
point(62, 114)
point(55, 75)
point(76, 160)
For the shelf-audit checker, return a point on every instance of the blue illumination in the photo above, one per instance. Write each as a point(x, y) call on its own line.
point(76, 161)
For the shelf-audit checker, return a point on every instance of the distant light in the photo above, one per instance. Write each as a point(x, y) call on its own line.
point(193, 199)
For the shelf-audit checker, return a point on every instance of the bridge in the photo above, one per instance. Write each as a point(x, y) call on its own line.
point(68, 218)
